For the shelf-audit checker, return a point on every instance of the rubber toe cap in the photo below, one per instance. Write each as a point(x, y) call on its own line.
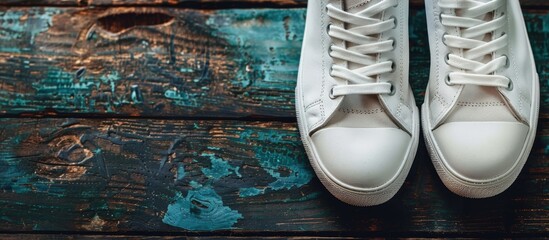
point(361, 158)
point(480, 151)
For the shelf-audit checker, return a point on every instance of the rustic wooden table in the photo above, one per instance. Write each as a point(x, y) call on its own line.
point(125, 118)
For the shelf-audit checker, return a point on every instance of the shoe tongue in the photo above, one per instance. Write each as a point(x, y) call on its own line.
point(354, 6)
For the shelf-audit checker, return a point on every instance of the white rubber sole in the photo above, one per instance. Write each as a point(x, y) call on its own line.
point(461, 186)
point(369, 197)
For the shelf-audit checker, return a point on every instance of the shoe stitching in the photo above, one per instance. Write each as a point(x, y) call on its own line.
point(311, 105)
point(322, 22)
point(363, 112)
point(480, 104)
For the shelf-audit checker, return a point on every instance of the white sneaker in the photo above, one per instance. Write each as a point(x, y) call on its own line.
point(356, 113)
point(481, 106)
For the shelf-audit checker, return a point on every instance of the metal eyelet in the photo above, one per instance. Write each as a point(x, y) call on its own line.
point(447, 80)
point(510, 86)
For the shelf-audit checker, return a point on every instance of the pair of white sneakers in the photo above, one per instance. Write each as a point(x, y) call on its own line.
point(357, 115)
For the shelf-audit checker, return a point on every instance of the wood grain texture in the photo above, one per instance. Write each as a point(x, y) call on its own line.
point(174, 62)
point(208, 3)
point(170, 176)
point(170, 62)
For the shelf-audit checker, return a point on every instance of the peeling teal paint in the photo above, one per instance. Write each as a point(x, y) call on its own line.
point(194, 184)
point(26, 24)
point(267, 45)
point(299, 173)
point(274, 161)
point(219, 167)
point(200, 210)
point(250, 192)
point(111, 79)
point(182, 98)
point(180, 171)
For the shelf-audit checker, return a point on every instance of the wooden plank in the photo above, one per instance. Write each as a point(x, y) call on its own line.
point(149, 237)
point(223, 63)
point(176, 176)
point(190, 63)
point(200, 3)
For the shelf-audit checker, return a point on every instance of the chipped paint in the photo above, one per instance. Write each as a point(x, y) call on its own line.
point(219, 168)
point(267, 45)
point(288, 168)
point(180, 171)
point(201, 210)
point(26, 24)
point(249, 192)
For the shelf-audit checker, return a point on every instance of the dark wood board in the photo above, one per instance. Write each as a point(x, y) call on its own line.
point(201, 3)
point(177, 176)
point(215, 63)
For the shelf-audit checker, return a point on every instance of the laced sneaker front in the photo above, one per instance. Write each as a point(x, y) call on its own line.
point(356, 113)
point(481, 105)
point(362, 31)
point(476, 42)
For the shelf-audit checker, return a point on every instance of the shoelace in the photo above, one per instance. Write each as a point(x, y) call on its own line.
point(474, 70)
point(364, 34)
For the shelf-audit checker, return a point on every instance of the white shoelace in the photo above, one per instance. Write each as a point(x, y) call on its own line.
point(364, 33)
point(473, 70)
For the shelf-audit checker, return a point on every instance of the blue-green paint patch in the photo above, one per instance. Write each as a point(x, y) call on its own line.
point(182, 98)
point(111, 79)
point(19, 27)
point(219, 167)
point(287, 168)
point(267, 46)
point(250, 192)
point(180, 171)
point(194, 184)
point(200, 210)
point(298, 173)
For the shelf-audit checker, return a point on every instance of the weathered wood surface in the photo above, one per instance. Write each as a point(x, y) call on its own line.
point(201, 3)
point(149, 237)
point(223, 63)
point(169, 177)
point(115, 175)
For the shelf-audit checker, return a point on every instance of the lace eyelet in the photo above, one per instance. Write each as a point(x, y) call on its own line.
point(330, 49)
point(331, 95)
point(440, 16)
point(447, 59)
point(328, 28)
point(395, 21)
point(393, 66)
point(447, 80)
point(394, 42)
point(510, 86)
point(331, 70)
point(443, 39)
point(507, 61)
point(393, 90)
